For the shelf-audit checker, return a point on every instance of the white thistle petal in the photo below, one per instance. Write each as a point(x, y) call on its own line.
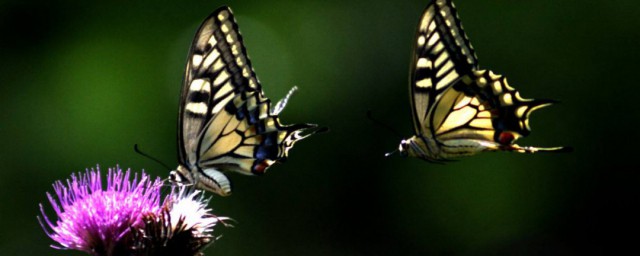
point(192, 209)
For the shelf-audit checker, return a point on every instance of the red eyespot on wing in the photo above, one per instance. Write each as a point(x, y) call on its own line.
point(259, 168)
point(506, 138)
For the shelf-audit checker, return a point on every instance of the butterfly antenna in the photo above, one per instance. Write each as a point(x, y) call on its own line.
point(166, 186)
point(390, 153)
point(388, 127)
point(135, 148)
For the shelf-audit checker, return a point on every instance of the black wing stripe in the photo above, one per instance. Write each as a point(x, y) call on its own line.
point(454, 37)
point(227, 55)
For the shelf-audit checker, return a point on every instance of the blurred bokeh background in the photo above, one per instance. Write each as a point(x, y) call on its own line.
point(81, 83)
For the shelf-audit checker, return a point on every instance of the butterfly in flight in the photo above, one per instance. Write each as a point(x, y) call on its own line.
point(459, 109)
point(225, 121)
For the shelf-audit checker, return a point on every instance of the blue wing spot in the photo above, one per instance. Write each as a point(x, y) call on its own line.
point(241, 113)
point(266, 152)
point(270, 139)
point(498, 125)
point(260, 128)
point(253, 116)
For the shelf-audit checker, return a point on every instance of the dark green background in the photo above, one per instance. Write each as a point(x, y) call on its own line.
point(81, 83)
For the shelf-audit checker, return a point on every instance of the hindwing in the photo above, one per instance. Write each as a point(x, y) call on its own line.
point(246, 137)
point(483, 107)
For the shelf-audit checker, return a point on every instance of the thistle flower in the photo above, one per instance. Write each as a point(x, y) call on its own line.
point(98, 220)
point(183, 227)
point(128, 217)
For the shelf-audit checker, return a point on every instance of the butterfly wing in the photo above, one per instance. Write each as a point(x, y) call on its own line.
point(225, 121)
point(442, 55)
point(456, 106)
point(246, 137)
point(217, 70)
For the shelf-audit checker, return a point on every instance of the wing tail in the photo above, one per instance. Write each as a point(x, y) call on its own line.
point(283, 102)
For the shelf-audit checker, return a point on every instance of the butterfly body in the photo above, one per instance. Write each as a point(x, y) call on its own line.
point(458, 108)
point(209, 179)
point(226, 124)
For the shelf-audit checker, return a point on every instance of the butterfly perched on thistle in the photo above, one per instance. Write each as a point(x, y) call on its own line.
point(225, 121)
point(459, 109)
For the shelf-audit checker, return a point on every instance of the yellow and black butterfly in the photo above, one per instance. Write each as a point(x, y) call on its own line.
point(225, 121)
point(459, 109)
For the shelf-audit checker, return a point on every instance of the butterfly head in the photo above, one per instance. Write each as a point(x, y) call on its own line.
point(415, 147)
point(404, 148)
point(181, 176)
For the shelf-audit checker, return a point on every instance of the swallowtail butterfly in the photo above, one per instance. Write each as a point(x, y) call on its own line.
point(225, 121)
point(459, 109)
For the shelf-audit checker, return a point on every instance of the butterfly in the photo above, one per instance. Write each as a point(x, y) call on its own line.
point(225, 121)
point(459, 109)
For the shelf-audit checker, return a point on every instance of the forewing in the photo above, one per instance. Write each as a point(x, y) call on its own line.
point(218, 69)
point(442, 55)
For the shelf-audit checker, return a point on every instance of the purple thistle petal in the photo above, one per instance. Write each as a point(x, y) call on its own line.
point(96, 220)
